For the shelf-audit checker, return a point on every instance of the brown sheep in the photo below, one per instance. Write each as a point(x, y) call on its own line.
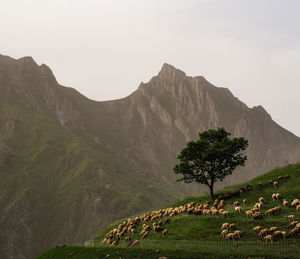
point(231, 236)
point(261, 200)
point(285, 203)
point(238, 209)
point(292, 217)
point(274, 197)
point(269, 238)
point(295, 203)
point(283, 233)
point(275, 184)
point(238, 233)
point(225, 226)
point(224, 233)
point(248, 213)
point(257, 228)
point(165, 232)
point(280, 177)
point(245, 201)
point(292, 224)
point(232, 226)
point(263, 232)
point(273, 229)
point(236, 203)
point(135, 242)
point(256, 216)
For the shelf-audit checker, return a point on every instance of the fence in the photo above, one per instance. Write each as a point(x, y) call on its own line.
point(247, 248)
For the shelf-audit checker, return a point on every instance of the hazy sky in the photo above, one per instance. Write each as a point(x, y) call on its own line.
point(104, 49)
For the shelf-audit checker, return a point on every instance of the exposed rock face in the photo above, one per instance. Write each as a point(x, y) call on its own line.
point(70, 165)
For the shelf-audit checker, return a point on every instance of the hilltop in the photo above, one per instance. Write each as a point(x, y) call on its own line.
point(69, 166)
point(187, 231)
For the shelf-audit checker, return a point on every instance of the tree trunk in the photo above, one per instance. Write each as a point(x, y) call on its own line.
point(211, 189)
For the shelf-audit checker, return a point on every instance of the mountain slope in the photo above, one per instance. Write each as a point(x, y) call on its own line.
point(70, 165)
point(191, 234)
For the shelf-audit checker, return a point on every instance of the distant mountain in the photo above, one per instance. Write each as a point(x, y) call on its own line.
point(69, 165)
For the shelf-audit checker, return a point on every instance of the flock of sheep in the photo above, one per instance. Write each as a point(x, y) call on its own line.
point(153, 221)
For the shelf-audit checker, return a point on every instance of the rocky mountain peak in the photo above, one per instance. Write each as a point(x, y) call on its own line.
point(170, 73)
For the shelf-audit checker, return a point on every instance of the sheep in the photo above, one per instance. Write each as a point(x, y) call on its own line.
point(165, 232)
point(225, 213)
point(224, 233)
point(294, 232)
point(283, 233)
point(248, 213)
point(285, 203)
point(286, 176)
point(231, 236)
point(245, 201)
point(257, 228)
point(275, 184)
point(236, 203)
point(238, 233)
point(145, 234)
point(280, 177)
point(263, 232)
point(256, 216)
point(298, 208)
point(273, 229)
point(232, 226)
point(292, 217)
point(292, 224)
point(277, 195)
point(295, 203)
point(270, 182)
point(269, 238)
point(238, 209)
point(258, 205)
point(274, 197)
point(277, 234)
point(135, 242)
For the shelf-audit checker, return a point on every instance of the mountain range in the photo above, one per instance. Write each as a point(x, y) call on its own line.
point(69, 165)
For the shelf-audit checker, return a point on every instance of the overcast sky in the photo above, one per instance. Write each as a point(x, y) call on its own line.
point(104, 49)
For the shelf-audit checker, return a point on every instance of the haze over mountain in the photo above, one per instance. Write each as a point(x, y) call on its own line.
point(70, 165)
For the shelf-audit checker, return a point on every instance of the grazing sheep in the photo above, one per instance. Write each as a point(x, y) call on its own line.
point(263, 232)
point(274, 197)
point(238, 209)
point(269, 238)
point(277, 234)
point(258, 205)
point(224, 233)
point(245, 201)
point(294, 232)
point(248, 213)
point(225, 213)
point(135, 242)
point(236, 203)
point(165, 232)
point(256, 216)
point(273, 229)
point(275, 184)
point(238, 233)
point(232, 226)
point(283, 233)
point(277, 195)
point(280, 177)
point(231, 236)
point(285, 203)
point(261, 200)
point(292, 217)
point(298, 208)
point(295, 203)
point(257, 228)
point(145, 234)
point(292, 224)
point(225, 226)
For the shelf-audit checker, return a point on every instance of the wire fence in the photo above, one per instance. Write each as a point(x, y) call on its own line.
point(253, 248)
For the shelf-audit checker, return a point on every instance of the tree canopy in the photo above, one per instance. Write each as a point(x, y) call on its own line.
point(211, 158)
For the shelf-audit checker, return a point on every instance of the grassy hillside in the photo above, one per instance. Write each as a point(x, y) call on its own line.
point(189, 234)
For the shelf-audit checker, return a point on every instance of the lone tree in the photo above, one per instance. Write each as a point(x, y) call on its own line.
point(211, 158)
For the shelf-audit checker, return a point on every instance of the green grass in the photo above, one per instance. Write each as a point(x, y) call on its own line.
point(193, 235)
